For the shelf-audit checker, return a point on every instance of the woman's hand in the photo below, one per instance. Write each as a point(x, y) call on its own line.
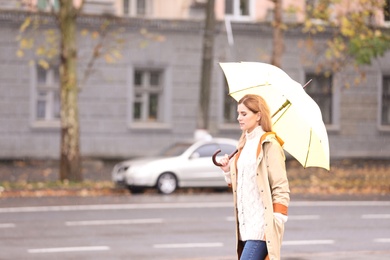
point(225, 162)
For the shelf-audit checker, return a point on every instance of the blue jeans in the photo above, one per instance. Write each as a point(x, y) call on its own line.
point(254, 250)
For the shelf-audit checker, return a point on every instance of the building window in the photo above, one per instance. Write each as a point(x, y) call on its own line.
point(320, 89)
point(386, 11)
point(148, 91)
point(309, 7)
point(229, 107)
point(48, 5)
point(320, 11)
point(385, 115)
point(239, 8)
point(141, 7)
point(47, 98)
point(136, 7)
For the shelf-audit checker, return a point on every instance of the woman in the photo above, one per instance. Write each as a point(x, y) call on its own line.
point(258, 178)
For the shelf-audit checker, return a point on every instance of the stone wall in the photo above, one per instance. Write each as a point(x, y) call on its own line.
point(107, 130)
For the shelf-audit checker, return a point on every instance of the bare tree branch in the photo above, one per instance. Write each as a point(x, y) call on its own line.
point(96, 53)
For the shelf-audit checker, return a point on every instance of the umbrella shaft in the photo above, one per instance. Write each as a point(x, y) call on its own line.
point(282, 107)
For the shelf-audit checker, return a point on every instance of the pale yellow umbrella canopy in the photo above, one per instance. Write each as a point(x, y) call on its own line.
point(297, 118)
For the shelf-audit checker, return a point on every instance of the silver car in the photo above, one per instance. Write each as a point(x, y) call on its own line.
point(183, 164)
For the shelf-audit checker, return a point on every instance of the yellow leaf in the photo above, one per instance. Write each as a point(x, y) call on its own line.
point(108, 58)
point(40, 51)
point(50, 32)
point(26, 43)
point(320, 28)
point(84, 32)
point(104, 25)
point(95, 35)
point(25, 24)
point(44, 64)
point(346, 27)
point(328, 54)
point(117, 54)
point(20, 53)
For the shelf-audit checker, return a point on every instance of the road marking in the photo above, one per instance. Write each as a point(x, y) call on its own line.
point(113, 222)
point(293, 217)
point(7, 225)
point(307, 242)
point(382, 240)
point(230, 219)
point(188, 245)
point(68, 249)
point(285, 243)
point(183, 205)
point(338, 203)
point(117, 207)
point(376, 216)
point(303, 217)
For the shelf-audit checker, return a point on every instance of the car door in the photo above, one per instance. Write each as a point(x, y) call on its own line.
point(200, 170)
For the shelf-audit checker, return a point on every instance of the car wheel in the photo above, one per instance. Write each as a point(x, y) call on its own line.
point(166, 183)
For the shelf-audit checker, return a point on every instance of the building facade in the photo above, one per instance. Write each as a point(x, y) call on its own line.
point(148, 98)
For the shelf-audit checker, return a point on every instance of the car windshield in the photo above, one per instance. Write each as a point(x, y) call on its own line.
point(175, 149)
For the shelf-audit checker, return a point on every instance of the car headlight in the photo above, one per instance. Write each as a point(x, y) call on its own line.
point(123, 168)
point(118, 173)
point(142, 175)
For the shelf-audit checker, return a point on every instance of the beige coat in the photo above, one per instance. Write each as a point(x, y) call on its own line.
point(273, 186)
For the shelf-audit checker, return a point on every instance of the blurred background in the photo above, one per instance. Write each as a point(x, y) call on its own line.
point(138, 76)
point(89, 87)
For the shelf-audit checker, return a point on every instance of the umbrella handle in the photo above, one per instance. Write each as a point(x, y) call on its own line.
point(217, 152)
point(307, 83)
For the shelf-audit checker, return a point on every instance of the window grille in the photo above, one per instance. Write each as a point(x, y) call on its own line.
point(320, 90)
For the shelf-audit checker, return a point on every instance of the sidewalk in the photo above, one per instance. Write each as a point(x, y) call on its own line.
point(48, 170)
point(348, 179)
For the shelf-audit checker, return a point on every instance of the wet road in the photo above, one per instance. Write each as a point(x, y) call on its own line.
point(182, 227)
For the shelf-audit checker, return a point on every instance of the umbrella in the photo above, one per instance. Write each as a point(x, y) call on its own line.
point(296, 117)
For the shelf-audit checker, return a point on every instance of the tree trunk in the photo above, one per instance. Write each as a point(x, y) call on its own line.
point(207, 67)
point(278, 40)
point(70, 164)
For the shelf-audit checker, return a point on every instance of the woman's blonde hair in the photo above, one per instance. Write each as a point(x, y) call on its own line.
point(256, 104)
